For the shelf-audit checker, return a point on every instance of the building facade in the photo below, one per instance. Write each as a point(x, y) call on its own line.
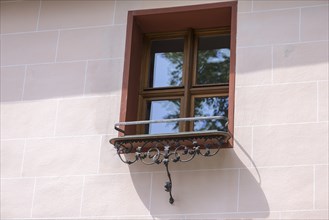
point(62, 65)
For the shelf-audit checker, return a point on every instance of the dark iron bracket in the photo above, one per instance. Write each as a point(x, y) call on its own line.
point(166, 148)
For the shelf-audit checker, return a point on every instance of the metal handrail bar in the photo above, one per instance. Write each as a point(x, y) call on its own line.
point(166, 121)
point(170, 120)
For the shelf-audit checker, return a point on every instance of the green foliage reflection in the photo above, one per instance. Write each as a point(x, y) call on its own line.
point(176, 59)
point(210, 106)
point(213, 66)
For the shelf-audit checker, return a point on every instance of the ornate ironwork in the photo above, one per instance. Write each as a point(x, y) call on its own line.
point(166, 148)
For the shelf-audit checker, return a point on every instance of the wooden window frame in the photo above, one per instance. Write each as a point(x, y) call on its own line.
point(189, 88)
point(144, 22)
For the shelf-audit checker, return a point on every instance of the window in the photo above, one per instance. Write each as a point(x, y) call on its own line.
point(179, 62)
point(185, 74)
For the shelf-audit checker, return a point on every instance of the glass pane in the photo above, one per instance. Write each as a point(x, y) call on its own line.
point(166, 66)
point(210, 106)
point(213, 65)
point(163, 109)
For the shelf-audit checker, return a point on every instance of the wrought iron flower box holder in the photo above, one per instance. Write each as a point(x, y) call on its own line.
point(176, 147)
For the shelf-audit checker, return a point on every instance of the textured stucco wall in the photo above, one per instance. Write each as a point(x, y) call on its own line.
point(61, 70)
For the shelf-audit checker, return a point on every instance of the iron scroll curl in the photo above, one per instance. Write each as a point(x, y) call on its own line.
point(165, 148)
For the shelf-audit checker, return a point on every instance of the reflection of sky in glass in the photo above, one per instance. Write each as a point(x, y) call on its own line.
point(210, 106)
point(213, 66)
point(213, 62)
point(163, 71)
point(220, 55)
point(161, 110)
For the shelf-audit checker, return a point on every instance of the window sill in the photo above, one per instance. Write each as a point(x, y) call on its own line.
point(197, 139)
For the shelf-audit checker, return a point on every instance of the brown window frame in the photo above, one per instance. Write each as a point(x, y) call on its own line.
point(189, 89)
point(142, 23)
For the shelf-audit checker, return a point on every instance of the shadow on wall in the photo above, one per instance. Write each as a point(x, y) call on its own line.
point(216, 187)
point(61, 80)
point(290, 63)
point(254, 66)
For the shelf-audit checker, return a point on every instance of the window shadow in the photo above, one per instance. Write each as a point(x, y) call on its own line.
point(227, 185)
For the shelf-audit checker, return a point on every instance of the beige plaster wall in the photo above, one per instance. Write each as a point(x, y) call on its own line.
point(61, 70)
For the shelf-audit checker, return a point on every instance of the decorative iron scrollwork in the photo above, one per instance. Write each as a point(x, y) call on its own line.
point(166, 148)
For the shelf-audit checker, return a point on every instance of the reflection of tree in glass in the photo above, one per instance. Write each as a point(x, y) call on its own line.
point(173, 109)
point(176, 59)
point(210, 106)
point(213, 66)
point(158, 109)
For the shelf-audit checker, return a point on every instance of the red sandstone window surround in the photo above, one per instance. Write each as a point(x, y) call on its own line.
point(188, 23)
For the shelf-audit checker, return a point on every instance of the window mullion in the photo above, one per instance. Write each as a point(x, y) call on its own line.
point(188, 71)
